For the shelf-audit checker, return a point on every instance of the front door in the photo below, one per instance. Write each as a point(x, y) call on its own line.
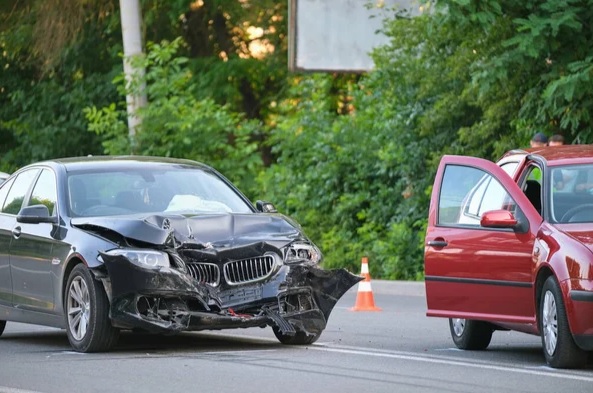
point(6, 223)
point(31, 247)
point(471, 271)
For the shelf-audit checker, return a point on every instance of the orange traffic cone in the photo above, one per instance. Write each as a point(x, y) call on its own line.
point(365, 301)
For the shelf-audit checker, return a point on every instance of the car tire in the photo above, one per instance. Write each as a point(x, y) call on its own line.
point(558, 344)
point(300, 338)
point(469, 334)
point(2, 326)
point(86, 309)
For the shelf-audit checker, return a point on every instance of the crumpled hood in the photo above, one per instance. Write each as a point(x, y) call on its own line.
point(225, 229)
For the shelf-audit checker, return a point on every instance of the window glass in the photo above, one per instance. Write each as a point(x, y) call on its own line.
point(168, 189)
point(4, 191)
point(18, 191)
point(44, 192)
point(495, 197)
point(571, 194)
point(457, 182)
point(473, 207)
point(535, 174)
point(467, 193)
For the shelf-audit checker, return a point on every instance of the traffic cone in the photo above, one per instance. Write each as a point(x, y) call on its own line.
point(365, 301)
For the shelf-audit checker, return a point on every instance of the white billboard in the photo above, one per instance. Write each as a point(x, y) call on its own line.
point(338, 35)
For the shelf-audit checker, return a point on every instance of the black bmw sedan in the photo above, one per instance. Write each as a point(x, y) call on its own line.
point(95, 245)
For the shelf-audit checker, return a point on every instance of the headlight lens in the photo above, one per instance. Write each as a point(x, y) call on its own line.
point(143, 258)
point(301, 252)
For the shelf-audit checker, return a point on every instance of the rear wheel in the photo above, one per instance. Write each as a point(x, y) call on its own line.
point(87, 313)
point(560, 349)
point(470, 334)
point(2, 326)
point(299, 338)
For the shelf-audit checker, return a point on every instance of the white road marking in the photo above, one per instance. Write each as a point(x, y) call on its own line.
point(6, 389)
point(450, 361)
point(543, 371)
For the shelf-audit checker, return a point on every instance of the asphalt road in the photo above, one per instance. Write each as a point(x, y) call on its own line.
point(397, 349)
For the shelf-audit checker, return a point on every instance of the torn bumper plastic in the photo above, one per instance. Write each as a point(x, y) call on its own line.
point(296, 298)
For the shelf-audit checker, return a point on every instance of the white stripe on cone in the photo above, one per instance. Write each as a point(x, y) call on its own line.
point(364, 268)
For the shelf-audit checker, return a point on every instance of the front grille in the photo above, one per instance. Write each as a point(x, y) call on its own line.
point(206, 273)
point(248, 270)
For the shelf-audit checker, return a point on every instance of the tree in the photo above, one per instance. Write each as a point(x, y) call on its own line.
point(176, 123)
point(49, 75)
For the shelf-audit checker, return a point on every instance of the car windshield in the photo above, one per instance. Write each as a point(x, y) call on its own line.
point(166, 189)
point(572, 193)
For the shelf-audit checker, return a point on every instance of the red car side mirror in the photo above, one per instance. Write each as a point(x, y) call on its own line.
point(498, 219)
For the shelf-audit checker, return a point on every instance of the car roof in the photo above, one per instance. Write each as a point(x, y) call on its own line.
point(93, 162)
point(560, 155)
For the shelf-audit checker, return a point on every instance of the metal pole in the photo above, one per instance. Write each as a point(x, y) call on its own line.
point(132, 40)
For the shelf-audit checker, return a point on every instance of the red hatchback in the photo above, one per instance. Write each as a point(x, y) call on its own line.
point(510, 246)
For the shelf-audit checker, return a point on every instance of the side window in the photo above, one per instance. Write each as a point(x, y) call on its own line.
point(533, 187)
point(4, 192)
point(458, 182)
point(18, 191)
point(534, 173)
point(495, 198)
point(44, 192)
point(467, 193)
point(475, 201)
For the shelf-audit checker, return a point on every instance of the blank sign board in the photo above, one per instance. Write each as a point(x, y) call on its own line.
point(338, 35)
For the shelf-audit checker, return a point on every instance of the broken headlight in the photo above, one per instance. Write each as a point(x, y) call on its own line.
point(301, 252)
point(142, 258)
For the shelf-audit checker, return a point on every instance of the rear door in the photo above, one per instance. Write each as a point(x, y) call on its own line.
point(471, 271)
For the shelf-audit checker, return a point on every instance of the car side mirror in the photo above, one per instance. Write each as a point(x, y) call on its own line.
point(35, 214)
point(265, 207)
point(498, 219)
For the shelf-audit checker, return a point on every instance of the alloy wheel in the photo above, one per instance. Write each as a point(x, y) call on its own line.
point(79, 308)
point(550, 323)
point(458, 326)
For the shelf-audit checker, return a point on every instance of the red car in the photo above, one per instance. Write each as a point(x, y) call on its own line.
point(510, 246)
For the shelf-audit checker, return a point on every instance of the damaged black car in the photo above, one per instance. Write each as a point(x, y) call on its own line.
point(96, 245)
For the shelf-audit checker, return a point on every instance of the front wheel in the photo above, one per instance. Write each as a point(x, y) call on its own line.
point(470, 334)
point(560, 349)
point(87, 313)
point(299, 338)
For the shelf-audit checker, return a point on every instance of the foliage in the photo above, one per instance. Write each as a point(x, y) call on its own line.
point(337, 174)
point(175, 123)
point(542, 54)
point(41, 104)
point(352, 157)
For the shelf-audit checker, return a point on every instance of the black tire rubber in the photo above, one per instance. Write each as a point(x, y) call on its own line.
point(476, 335)
point(2, 326)
point(100, 335)
point(300, 338)
point(566, 353)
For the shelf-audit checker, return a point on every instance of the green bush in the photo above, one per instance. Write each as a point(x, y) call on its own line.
point(176, 124)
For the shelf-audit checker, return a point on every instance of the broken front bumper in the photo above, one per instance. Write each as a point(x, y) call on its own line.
point(296, 298)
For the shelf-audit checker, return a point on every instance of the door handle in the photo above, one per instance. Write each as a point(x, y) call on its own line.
point(16, 232)
point(437, 243)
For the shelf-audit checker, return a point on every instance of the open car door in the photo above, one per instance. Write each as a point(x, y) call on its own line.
point(479, 244)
